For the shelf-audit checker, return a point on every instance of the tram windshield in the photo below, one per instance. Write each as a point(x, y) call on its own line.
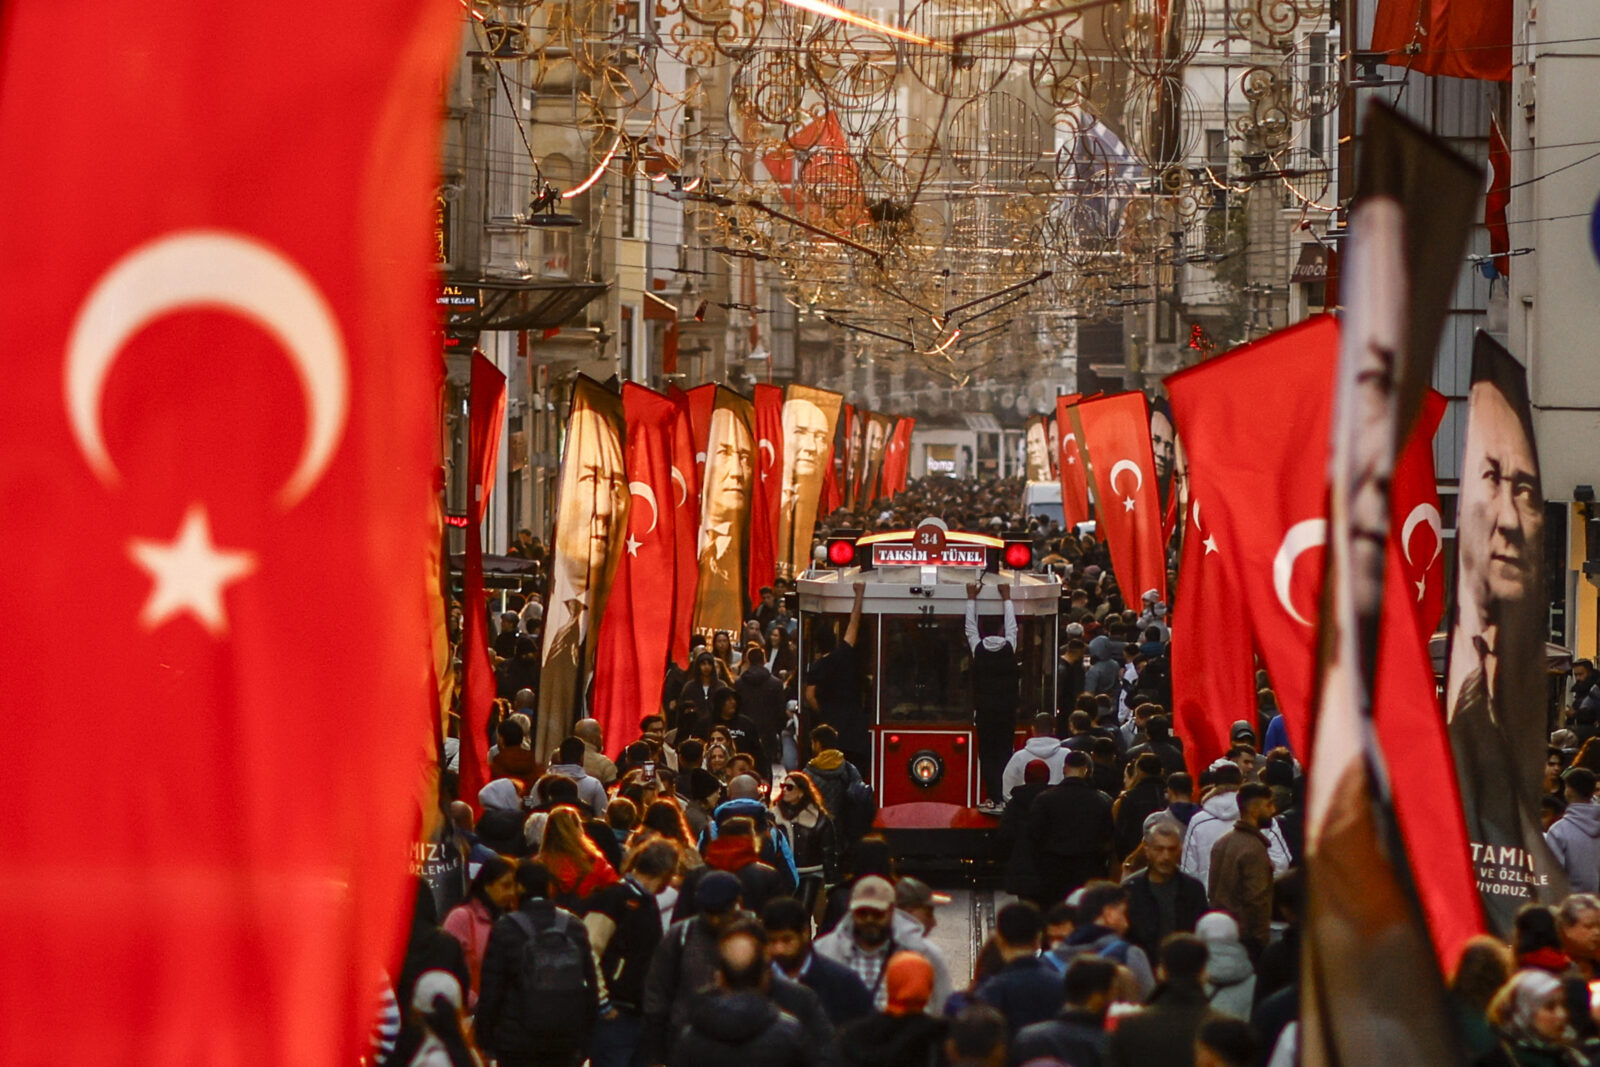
point(923, 674)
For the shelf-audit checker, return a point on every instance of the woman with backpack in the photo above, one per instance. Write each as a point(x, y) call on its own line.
point(493, 893)
point(799, 811)
point(577, 867)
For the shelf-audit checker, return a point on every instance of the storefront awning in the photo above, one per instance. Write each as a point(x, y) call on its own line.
point(522, 305)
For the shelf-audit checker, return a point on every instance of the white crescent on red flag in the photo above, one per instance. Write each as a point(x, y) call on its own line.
point(766, 491)
point(1257, 465)
point(686, 526)
point(1115, 435)
point(1070, 467)
point(636, 633)
point(226, 426)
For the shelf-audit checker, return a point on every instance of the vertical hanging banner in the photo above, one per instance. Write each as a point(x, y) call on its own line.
point(685, 527)
point(855, 454)
point(486, 420)
point(1257, 516)
point(636, 632)
point(1070, 467)
point(766, 492)
point(1371, 992)
point(725, 514)
point(1115, 434)
point(592, 507)
point(1213, 666)
point(876, 441)
point(1036, 442)
point(1053, 430)
point(1495, 689)
point(228, 417)
point(701, 400)
point(897, 457)
point(1164, 450)
point(809, 419)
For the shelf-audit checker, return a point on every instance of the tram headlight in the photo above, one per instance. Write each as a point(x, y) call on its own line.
point(926, 769)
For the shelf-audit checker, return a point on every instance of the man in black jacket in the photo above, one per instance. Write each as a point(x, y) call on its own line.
point(729, 715)
point(1162, 900)
point(1070, 828)
point(514, 1023)
point(1164, 1032)
point(625, 923)
point(843, 995)
point(1077, 1035)
point(1145, 795)
point(685, 963)
point(736, 1024)
point(761, 698)
point(996, 681)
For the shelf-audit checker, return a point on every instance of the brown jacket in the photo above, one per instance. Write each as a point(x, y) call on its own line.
point(1241, 882)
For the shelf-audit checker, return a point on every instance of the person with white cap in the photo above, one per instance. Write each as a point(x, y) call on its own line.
point(1230, 976)
point(436, 1005)
point(872, 932)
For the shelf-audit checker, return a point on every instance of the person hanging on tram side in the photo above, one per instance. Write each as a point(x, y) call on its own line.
point(833, 687)
point(996, 687)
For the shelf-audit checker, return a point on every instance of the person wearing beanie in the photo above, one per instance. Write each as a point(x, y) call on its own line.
point(1043, 746)
point(902, 1034)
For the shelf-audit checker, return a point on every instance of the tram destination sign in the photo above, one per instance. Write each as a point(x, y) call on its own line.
point(913, 555)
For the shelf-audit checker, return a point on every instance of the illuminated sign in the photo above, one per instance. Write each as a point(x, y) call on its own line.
point(903, 555)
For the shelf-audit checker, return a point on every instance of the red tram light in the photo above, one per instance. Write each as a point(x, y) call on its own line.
point(1019, 555)
point(841, 553)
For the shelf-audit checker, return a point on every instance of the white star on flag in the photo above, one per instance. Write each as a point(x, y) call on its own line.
point(1210, 542)
point(1127, 503)
point(633, 546)
point(1422, 588)
point(189, 572)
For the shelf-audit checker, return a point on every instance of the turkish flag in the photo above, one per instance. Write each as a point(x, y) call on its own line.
point(1418, 529)
point(702, 400)
point(1115, 433)
point(1074, 480)
point(685, 526)
point(223, 438)
point(486, 419)
point(1498, 198)
point(897, 457)
point(1213, 668)
point(1264, 504)
point(1447, 38)
point(636, 632)
point(766, 492)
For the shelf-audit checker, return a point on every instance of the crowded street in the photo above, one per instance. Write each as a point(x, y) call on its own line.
point(801, 533)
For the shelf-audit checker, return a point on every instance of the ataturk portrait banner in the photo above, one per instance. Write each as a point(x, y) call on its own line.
point(810, 417)
point(591, 524)
point(1495, 686)
point(725, 513)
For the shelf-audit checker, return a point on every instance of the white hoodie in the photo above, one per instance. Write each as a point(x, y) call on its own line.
point(1046, 748)
point(1214, 819)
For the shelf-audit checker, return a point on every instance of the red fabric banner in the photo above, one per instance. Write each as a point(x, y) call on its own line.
point(227, 427)
point(1448, 38)
point(1115, 434)
point(897, 458)
point(486, 419)
point(702, 400)
point(631, 658)
point(1418, 528)
point(1213, 668)
point(766, 491)
point(1265, 505)
point(1498, 198)
point(685, 526)
point(1074, 480)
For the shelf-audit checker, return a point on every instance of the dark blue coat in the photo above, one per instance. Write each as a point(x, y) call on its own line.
point(845, 997)
point(1025, 991)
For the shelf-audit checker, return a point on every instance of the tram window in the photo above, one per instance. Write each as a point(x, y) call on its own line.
point(926, 670)
point(820, 633)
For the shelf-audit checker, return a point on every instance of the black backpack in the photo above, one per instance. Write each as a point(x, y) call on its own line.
point(554, 982)
point(859, 809)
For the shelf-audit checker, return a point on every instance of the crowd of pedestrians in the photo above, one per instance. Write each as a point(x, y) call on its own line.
point(716, 896)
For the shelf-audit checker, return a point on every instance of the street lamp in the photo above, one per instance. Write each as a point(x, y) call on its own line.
point(507, 29)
